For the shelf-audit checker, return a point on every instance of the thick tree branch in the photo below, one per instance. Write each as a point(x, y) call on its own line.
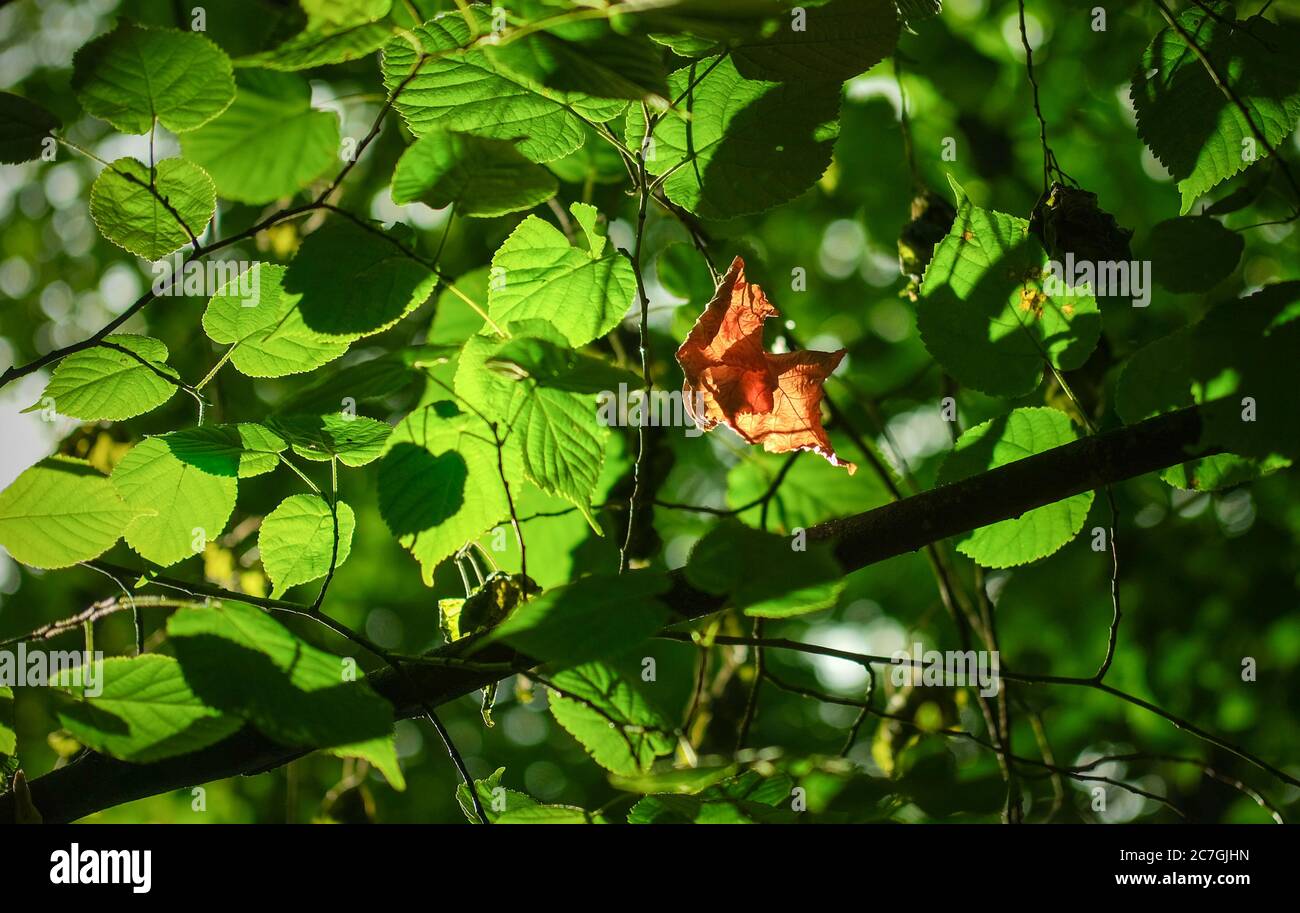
point(97, 782)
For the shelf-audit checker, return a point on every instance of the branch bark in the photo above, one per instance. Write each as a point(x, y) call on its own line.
point(98, 782)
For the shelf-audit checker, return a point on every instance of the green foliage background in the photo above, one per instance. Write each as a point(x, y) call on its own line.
point(1207, 578)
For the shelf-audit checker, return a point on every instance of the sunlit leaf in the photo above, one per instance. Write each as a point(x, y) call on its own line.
point(140, 709)
point(1036, 533)
point(60, 512)
point(269, 143)
point(152, 215)
point(180, 506)
point(124, 377)
point(137, 73)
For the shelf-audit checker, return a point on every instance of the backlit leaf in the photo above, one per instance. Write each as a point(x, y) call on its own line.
point(123, 377)
point(479, 176)
point(355, 282)
point(353, 440)
point(296, 540)
point(269, 143)
point(137, 73)
point(558, 433)
point(604, 711)
point(985, 313)
point(467, 91)
point(60, 512)
point(439, 485)
point(748, 145)
point(180, 506)
point(290, 690)
point(595, 617)
point(152, 223)
point(763, 573)
point(140, 709)
point(584, 290)
point(1036, 533)
point(265, 324)
point(773, 400)
point(1183, 116)
point(243, 450)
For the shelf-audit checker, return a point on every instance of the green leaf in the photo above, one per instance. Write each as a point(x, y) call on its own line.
point(1036, 533)
point(291, 691)
point(134, 216)
point(353, 440)
point(562, 443)
point(355, 282)
point(913, 11)
point(1182, 115)
point(985, 314)
point(619, 728)
point(595, 162)
point(297, 540)
point(466, 90)
point(8, 736)
point(139, 709)
point(363, 381)
point(597, 617)
point(322, 46)
point(439, 485)
point(682, 270)
point(561, 544)
point(684, 781)
point(763, 573)
point(810, 491)
point(61, 512)
point(269, 143)
point(838, 41)
point(479, 176)
point(106, 383)
point(344, 12)
point(746, 799)
point(588, 58)
point(486, 607)
point(1243, 354)
point(1157, 379)
point(380, 752)
point(454, 320)
point(584, 291)
point(557, 367)
point(242, 451)
point(265, 324)
point(717, 20)
point(180, 507)
point(549, 814)
point(136, 73)
point(1193, 253)
point(748, 145)
point(24, 128)
point(508, 806)
point(1223, 470)
point(558, 433)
